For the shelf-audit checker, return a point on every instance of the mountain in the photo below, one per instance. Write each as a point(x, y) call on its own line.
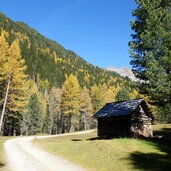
point(123, 71)
point(56, 80)
point(48, 60)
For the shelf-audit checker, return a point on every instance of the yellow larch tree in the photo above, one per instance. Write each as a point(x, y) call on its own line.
point(12, 78)
point(86, 108)
point(97, 97)
point(110, 95)
point(70, 104)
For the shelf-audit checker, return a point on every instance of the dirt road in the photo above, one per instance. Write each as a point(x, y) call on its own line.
point(22, 155)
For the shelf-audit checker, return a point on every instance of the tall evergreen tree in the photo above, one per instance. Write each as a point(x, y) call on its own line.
point(48, 121)
point(32, 118)
point(150, 48)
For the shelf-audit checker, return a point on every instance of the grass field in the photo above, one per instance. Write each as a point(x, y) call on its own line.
point(2, 155)
point(162, 129)
point(124, 154)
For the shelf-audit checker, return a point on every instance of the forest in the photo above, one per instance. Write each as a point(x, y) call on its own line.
point(45, 88)
point(48, 89)
point(49, 95)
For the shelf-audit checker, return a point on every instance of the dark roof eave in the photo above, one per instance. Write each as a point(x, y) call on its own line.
point(111, 116)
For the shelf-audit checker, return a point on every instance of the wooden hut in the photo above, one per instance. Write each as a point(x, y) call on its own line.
point(125, 118)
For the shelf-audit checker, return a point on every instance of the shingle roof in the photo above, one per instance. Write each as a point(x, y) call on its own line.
point(120, 108)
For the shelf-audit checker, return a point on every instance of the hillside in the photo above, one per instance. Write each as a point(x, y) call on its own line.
point(51, 90)
point(46, 59)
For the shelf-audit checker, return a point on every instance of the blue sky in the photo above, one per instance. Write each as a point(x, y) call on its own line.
point(97, 30)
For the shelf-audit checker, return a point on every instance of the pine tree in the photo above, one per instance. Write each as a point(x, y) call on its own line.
point(32, 118)
point(48, 121)
point(150, 48)
point(70, 104)
point(86, 108)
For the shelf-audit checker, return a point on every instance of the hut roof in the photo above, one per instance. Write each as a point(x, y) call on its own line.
point(122, 108)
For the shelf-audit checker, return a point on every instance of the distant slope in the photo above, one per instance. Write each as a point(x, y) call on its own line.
point(123, 71)
point(46, 59)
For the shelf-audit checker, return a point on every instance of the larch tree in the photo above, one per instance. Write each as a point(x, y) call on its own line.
point(150, 49)
point(13, 78)
point(4, 55)
point(70, 104)
point(55, 109)
point(134, 94)
point(103, 90)
point(86, 108)
point(110, 95)
point(97, 97)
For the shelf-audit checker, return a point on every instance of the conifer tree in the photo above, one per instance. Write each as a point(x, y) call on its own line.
point(134, 94)
point(4, 54)
point(48, 121)
point(13, 79)
point(32, 118)
point(123, 95)
point(86, 108)
point(97, 97)
point(70, 104)
point(55, 109)
point(110, 95)
point(150, 48)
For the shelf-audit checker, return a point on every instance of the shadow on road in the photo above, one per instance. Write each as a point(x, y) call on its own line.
point(2, 165)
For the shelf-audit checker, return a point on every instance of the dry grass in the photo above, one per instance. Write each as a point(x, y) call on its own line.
point(124, 154)
point(3, 163)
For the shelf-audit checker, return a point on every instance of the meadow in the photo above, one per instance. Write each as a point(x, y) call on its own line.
point(117, 154)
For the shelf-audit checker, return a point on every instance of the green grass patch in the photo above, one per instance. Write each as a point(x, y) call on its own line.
point(120, 154)
point(162, 129)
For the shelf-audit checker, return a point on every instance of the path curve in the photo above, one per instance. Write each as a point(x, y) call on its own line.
point(22, 155)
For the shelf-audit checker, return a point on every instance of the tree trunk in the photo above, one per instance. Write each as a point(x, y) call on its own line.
point(85, 123)
point(4, 105)
point(46, 92)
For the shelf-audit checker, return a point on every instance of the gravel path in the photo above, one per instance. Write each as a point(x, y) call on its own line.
point(23, 156)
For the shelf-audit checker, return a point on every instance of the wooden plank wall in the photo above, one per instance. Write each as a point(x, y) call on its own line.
point(140, 123)
point(114, 127)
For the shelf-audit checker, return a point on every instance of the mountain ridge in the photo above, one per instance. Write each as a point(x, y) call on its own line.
point(47, 59)
point(123, 71)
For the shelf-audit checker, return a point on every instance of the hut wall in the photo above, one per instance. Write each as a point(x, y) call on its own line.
point(140, 124)
point(114, 127)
